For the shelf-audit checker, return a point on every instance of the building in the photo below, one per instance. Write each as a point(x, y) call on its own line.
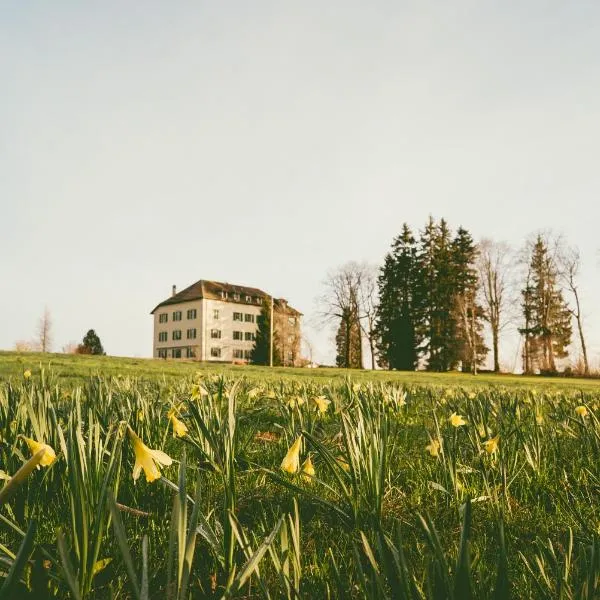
point(212, 321)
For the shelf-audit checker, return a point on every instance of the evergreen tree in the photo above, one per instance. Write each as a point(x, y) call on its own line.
point(260, 353)
point(91, 344)
point(468, 344)
point(348, 340)
point(547, 328)
point(399, 310)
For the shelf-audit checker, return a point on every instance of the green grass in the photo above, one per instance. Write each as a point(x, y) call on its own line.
point(79, 367)
point(382, 517)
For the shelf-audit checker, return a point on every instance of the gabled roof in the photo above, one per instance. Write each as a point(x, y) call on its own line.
point(215, 290)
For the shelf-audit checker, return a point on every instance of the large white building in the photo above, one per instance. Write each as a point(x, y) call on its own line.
point(212, 321)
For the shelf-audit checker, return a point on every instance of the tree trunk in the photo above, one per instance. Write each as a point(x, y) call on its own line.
point(495, 350)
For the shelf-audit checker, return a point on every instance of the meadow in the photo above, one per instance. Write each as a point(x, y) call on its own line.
point(141, 479)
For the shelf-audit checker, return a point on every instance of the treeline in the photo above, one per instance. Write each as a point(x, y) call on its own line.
point(440, 302)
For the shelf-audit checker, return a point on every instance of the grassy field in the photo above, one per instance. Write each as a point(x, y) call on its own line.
point(160, 480)
point(78, 367)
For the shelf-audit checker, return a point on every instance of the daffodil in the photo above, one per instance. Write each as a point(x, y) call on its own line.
point(146, 458)
point(343, 464)
point(308, 470)
point(472, 395)
point(291, 461)
point(27, 374)
point(456, 420)
point(539, 419)
point(582, 411)
point(322, 403)
point(491, 445)
point(433, 448)
point(34, 447)
point(179, 427)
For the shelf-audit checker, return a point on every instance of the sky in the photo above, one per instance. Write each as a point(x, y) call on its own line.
point(146, 144)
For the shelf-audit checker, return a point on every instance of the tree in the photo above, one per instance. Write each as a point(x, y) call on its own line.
point(91, 344)
point(570, 263)
point(494, 265)
point(348, 341)
point(399, 310)
point(547, 328)
point(341, 303)
point(44, 332)
point(368, 309)
point(260, 353)
point(467, 344)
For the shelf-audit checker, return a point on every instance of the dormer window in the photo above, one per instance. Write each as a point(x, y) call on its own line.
point(223, 294)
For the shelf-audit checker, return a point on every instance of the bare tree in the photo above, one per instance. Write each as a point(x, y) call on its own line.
point(340, 303)
point(570, 263)
point(494, 266)
point(44, 332)
point(70, 348)
point(368, 291)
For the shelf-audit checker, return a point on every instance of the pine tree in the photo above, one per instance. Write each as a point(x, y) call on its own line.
point(399, 310)
point(260, 353)
point(547, 328)
point(467, 344)
point(348, 341)
point(91, 344)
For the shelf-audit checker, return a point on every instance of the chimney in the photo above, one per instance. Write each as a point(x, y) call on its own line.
point(174, 290)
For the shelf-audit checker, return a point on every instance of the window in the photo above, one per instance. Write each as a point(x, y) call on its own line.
point(177, 315)
point(249, 318)
point(256, 299)
point(216, 314)
point(190, 353)
point(163, 318)
point(238, 316)
point(191, 334)
point(177, 334)
point(162, 353)
point(215, 334)
point(290, 356)
point(191, 314)
point(247, 354)
point(248, 298)
point(223, 294)
point(215, 352)
point(237, 353)
point(238, 335)
point(291, 339)
point(176, 352)
point(162, 336)
point(292, 321)
point(249, 336)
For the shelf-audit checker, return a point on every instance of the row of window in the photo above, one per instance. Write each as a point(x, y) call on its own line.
point(192, 314)
point(215, 334)
point(248, 318)
point(177, 353)
point(242, 297)
point(190, 334)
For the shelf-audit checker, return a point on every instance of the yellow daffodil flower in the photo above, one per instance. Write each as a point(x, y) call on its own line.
point(146, 458)
point(539, 419)
point(34, 447)
point(433, 448)
point(472, 395)
point(27, 374)
point(308, 470)
point(322, 403)
point(582, 411)
point(179, 427)
point(491, 445)
point(291, 461)
point(456, 420)
point(342, 463)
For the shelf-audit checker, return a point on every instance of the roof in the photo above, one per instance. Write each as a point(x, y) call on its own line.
point(226, 292)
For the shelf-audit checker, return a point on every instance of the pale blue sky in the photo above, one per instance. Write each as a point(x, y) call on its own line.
point(145, 144)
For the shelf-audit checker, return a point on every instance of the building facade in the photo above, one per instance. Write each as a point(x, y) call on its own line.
point(213, 321)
